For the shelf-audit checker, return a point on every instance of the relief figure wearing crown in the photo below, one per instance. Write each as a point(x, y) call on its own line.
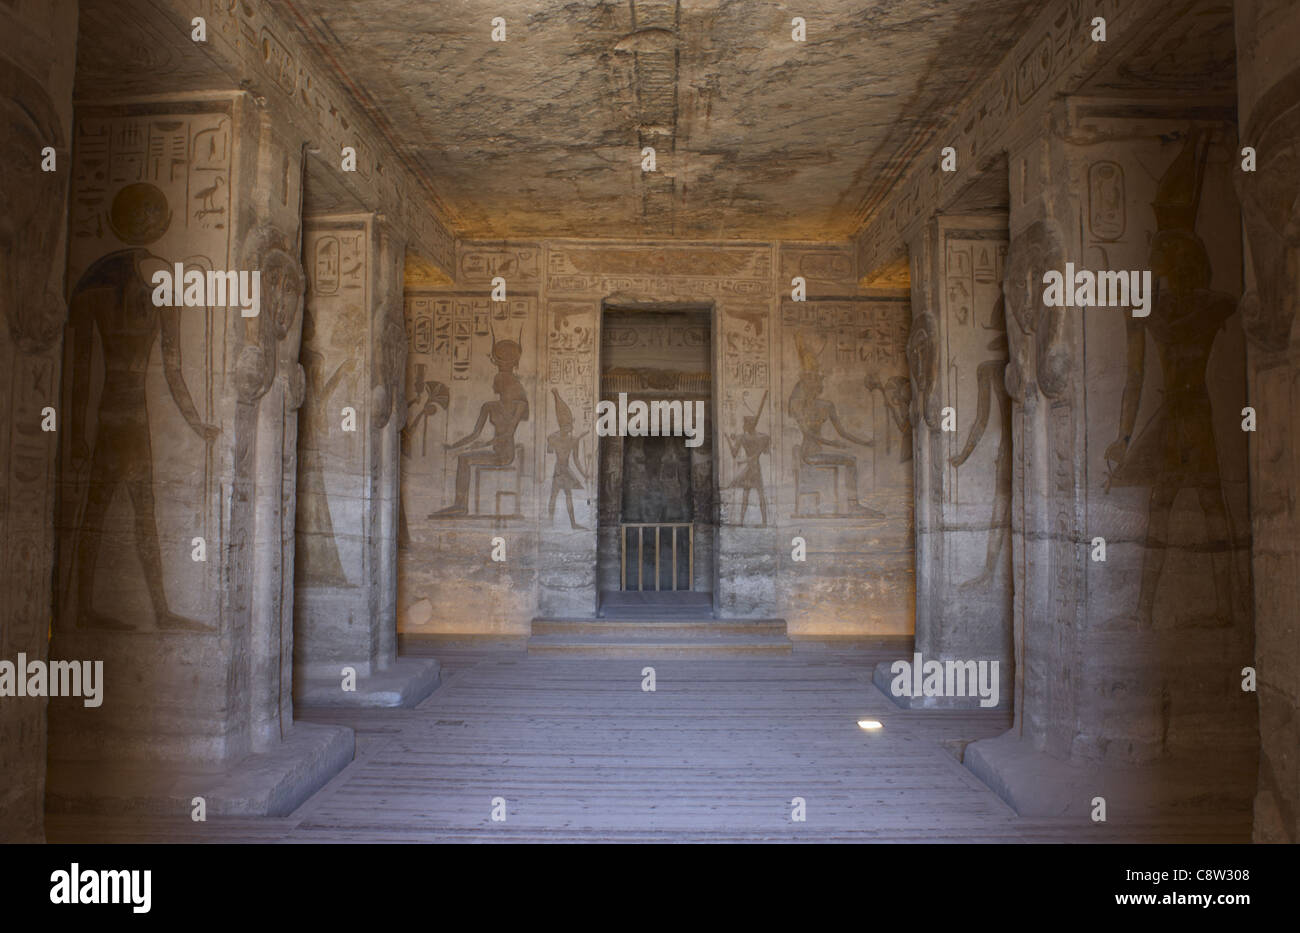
point(506, 412)
point(1176, 450)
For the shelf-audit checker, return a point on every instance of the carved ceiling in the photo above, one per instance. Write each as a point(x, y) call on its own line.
point(756, 135)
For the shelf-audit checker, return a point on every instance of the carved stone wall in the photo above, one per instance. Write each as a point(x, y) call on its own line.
point(1269, 111)
point(845, 474)
point(470, 447)
point(549, 329)
point(36, 68)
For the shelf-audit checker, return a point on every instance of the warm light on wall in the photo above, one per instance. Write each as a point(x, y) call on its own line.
point(870, 724)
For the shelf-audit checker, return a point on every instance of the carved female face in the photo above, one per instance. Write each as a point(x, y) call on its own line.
point(1033, 330)
point(923, 365)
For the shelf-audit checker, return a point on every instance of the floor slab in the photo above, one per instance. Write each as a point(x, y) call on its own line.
point(718, 751)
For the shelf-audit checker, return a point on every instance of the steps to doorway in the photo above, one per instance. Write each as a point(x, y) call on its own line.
point(633, 606)
point(659, 638)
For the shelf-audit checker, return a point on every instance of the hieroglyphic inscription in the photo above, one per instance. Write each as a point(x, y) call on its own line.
point(696, 272)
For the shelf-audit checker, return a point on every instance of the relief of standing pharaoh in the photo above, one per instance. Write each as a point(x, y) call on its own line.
point(568, 460)
point(747, 449)
point(1176, 450)
point(114, 299)
point(506, 412)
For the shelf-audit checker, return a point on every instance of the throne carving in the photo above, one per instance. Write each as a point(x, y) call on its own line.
point(498, 483)
point(810, 484)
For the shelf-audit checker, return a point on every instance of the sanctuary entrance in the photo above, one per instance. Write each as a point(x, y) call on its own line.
point(657, 514)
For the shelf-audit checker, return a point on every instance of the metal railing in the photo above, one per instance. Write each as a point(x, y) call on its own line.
point(640, 529)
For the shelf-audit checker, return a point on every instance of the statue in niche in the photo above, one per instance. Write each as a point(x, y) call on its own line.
point(811, 412)
point(319, 563)
point(747, 449)
point(568, 459)
point(636, 491)
point(1176, 450)
point(114, 298)
point(989, 377)
point(506, 413)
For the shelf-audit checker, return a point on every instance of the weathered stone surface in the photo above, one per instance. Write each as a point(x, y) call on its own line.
point(756, 134)
point(36, 69)
point(1269, 111)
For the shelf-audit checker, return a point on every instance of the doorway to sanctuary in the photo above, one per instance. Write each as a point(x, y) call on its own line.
point(657, 499)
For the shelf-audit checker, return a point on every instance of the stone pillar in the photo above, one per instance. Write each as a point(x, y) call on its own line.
point(957, 351)
point(177, 506)
point(1127, 433)
point(36, 68)
point(353, 357)
point(1269, 111)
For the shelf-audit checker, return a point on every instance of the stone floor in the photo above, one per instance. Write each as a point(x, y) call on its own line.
point(716, 753)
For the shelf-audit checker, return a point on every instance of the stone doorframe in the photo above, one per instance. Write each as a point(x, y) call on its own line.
point(619, 302)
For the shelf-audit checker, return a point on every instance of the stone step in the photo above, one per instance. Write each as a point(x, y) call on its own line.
point(659, 639)
point(658, 627)
point(652, 648)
